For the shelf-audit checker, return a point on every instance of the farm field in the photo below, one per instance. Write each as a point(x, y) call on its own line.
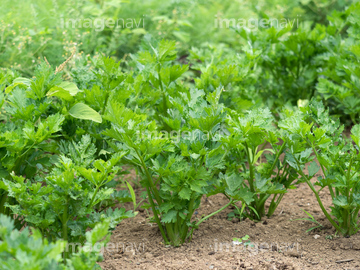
point(283, 242)
point(192, 134)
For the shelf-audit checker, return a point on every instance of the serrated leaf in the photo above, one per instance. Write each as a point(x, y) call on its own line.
point(185, 193)
point(169, 217)
point(313, 168)
point(233, 181)
point(341, 201)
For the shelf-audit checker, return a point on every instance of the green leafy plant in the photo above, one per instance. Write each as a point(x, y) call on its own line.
point(288, 61)
point(318, 136)
point(62, 203)
point(220, 67)
point(242, 241)
point(157, 83)
point(28, 250)
point(35, 113)
point(341, 82)
point(256, 173)
point(177, 170)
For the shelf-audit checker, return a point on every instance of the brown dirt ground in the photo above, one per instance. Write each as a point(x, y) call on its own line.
point(280, 242)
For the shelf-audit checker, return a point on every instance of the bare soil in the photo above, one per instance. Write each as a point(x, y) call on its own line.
point(279, 242)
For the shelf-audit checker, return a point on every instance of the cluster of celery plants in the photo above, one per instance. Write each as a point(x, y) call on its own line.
point(176, 170)
point(313, 132)
point(257, 162)
point(52, 178)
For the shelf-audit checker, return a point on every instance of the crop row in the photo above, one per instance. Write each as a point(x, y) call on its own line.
point(61, 149)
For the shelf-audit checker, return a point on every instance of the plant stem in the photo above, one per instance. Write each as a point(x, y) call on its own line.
point(2, 203)
point(348, 195)
point(156, 195)
point(212, 214)
point(65, 228)
point(318, 198)
point(185, 226)
point(260, 204)
point(277, 156)
point(157, 198)
point(162, 90)
point(148, 176)
point(322, 169)
point(156, 216)
point(93, 197)
point(274, 205)
point(251, 169)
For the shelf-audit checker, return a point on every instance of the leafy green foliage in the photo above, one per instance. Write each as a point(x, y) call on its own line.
point(22, 250)
point(160, 78)
point(62, 203)
point(36, 113)
point(341, 84)
point(256, 172)
point(319, 136)
point(289, 60)
point(235, 73)
point(177, 168)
